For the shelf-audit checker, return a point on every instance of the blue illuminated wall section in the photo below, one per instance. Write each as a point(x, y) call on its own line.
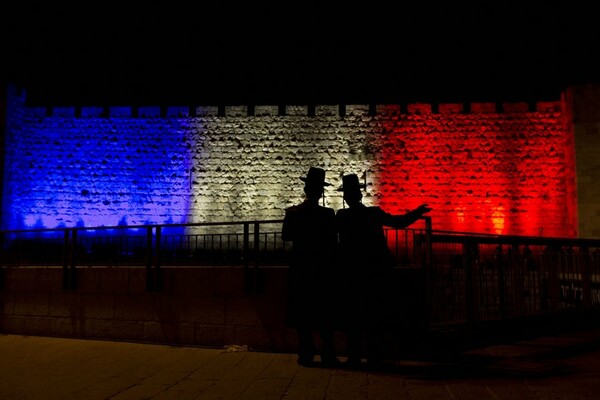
point(62, 171)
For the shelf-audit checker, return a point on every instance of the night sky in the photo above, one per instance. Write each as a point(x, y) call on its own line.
point(98, 53)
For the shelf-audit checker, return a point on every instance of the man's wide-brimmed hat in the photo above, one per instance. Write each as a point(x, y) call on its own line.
point(350, 183)
point(315, 176)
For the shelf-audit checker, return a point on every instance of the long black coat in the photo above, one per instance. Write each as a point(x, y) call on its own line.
point(365, 261)
point(311, 229)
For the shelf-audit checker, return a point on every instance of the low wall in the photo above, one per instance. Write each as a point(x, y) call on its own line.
point(200, 306)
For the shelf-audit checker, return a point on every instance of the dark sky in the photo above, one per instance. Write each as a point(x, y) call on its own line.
point(93, 53)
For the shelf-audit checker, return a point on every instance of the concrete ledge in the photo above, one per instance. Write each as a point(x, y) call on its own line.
point(205, 306)
point(200, 306)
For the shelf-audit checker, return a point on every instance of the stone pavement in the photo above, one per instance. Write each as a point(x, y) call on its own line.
point(560, 366)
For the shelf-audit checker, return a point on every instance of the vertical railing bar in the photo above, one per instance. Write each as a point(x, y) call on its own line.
point(157, 259)
point(586, 286)
point(427, 259)
point(66, 261)
point(245, 255)
point(256, 255)
point(2, 262)
point(73, 260)
point(149, 254)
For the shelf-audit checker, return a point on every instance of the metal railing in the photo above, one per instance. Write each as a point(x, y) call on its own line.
point(474, 277)
point(464, 277)
point(247, 244)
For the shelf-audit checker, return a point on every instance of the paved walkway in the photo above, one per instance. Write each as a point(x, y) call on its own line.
point(562, 366)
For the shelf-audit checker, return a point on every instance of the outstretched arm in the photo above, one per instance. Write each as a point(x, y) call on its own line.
point(402, 221)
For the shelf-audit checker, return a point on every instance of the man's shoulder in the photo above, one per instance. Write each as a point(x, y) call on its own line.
point(376, 210)
point(342, 211)
point(327, 210)
point(309, 208)
point(299, 206)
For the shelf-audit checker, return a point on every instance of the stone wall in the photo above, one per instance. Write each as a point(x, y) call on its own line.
point(586, 115)
point(483, 167)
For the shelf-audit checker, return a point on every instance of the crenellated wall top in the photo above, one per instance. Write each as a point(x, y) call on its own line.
point(323, 110)
point(292, 110)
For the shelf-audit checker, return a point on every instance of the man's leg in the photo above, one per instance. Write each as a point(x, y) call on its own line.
point(328, 356)
point(306, 346)
point(354, 338)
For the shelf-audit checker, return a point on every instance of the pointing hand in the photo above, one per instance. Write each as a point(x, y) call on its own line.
point(423, 209)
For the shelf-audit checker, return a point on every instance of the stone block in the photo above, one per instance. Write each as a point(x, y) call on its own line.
point(483, 108)
point(229, 281)
point(207, 111)
point(196, 281)
point(77, 327)
point(140, 307)
point(451, 108)
point(138, 280)
point(40, 326)
point(520, 107)
point(120, 111)
point(88, 279)
point(255, 337)
point(63, 112)
point(31, 304)
point(212, 335)
point(419, 108)
point(204, 310)
point(113, 280)
point(92, 112)
point(240, 311)
point(168, 332)
point(95, 306)
point(20, 279)
point(65, 304)
point(117, 330)
point(266, 111)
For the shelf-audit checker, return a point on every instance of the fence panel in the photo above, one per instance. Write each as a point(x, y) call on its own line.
point(465, 277)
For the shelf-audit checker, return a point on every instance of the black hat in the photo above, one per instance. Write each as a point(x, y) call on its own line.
point(315, 176)
point(350, 183)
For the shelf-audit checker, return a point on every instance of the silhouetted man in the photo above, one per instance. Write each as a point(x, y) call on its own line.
point(366, 262)
point(311, 228)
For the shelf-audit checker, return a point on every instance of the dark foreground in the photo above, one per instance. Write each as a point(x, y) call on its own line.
point(560, 365)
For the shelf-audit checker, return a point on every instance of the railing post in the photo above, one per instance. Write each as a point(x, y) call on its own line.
point(158, 278)
point(65, 267)
point(516, 262)
point(553, 260)
point(149, 256)
point(586, 286)
point(426, 260)
point(428, 248)
point(256, 255)
point(74, 239)
point(471, 253)
point(69, 275)
point(2, 273)
point(246, 255)
point(501, 281)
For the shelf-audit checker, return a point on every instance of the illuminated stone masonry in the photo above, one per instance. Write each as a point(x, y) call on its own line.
point(507, 169)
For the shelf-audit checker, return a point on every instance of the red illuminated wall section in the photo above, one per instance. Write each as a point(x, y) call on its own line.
point(488, 172)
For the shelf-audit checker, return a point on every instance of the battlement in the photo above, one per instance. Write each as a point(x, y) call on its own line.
point(322, 110)
point(341, 110)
